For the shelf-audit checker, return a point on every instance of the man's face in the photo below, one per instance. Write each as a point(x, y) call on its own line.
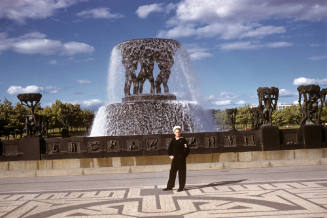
point(177, 132)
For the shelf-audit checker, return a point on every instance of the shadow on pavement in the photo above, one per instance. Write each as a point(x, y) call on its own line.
point(213, 184)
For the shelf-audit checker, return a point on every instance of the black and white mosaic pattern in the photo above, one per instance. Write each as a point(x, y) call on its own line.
point(304, 198)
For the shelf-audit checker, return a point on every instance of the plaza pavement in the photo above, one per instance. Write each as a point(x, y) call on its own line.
point(298, 191)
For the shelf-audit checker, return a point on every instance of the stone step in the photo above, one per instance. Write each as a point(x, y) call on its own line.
point(161, 163)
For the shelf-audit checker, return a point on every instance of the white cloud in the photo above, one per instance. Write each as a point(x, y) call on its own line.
point(232, 19)
point(239, 46)
point(99, 13)
point(178, 31)
point(37, 43)
point(224, 98)
point(248, 45)
point(19, 10)
point(83, 81)
point(286, 93)
point(223, 102)
point(241, 102)
point(197, 53)
point(228, 95)
point(72, 48)
point(308, 81)
point(314, 45)
point(224, 30)
point(211, 97)
point(89, 103)
point(14, 90)
point(263, 31)
point(50, 89)
point(314, 58)
point(36, 46)
point(144, 10)
point(278, 44)
point(53, 62)
point(250, 10)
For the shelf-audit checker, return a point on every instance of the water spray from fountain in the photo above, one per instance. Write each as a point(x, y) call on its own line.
point(163, 67)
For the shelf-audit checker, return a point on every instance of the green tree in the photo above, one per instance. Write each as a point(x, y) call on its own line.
point(6, 113)
point(221, 119)
point(18, 119)
point(243, 116)
point(323, 115)
point(88, 117)
point(278, 118)
point(287, 116)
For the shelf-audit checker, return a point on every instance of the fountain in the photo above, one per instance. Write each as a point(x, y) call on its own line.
point(150, 61)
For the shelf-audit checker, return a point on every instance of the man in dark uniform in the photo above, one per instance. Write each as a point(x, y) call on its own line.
point(177, 151)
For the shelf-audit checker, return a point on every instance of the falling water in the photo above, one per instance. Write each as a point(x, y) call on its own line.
point(185, 110)
point(115, 82)
point(99, 127)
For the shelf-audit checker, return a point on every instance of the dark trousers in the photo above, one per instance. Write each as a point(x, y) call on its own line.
point(178, 164)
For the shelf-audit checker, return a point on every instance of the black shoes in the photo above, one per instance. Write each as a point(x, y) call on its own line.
point(167, 189)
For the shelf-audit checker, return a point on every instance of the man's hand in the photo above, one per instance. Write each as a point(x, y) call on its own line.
point(171, 157)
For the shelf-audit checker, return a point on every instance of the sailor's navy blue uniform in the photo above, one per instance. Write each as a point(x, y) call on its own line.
point(179, 149)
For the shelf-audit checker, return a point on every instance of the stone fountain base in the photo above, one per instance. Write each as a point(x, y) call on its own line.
point(154, 114)
point(149, 97)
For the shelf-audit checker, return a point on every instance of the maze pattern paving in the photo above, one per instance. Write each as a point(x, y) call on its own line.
point(224, 199)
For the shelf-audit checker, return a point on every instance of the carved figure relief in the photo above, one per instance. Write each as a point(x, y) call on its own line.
point(94, 146)
point(192, 142)
point(230, 141)
point(54, 148)
point(151, 144)
point(74, 147)
point(113, 145)
point(290, 139)
point(249, 140)
point(133, 145)
point(210, 142)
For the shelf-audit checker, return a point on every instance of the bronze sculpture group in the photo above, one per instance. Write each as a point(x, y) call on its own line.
point(145, 52)
point(311, 101)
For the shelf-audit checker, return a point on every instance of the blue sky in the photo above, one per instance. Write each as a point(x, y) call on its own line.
point(61, 48)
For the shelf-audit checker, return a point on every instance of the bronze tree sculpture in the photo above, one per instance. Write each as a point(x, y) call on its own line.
point(323, 94)
point(231, 114)
point(309, 96)
point(256, 118)
point(31, 100)
point(268, 98)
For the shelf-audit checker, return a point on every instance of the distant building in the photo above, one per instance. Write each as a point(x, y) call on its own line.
point(282, 106)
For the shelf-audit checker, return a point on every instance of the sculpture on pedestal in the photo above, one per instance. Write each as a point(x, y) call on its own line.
point(231, 114)
point(146, 52)
point(268, 98)
point(323, 94)
point(31, 100)
point(309, 96)
point(256, 118)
